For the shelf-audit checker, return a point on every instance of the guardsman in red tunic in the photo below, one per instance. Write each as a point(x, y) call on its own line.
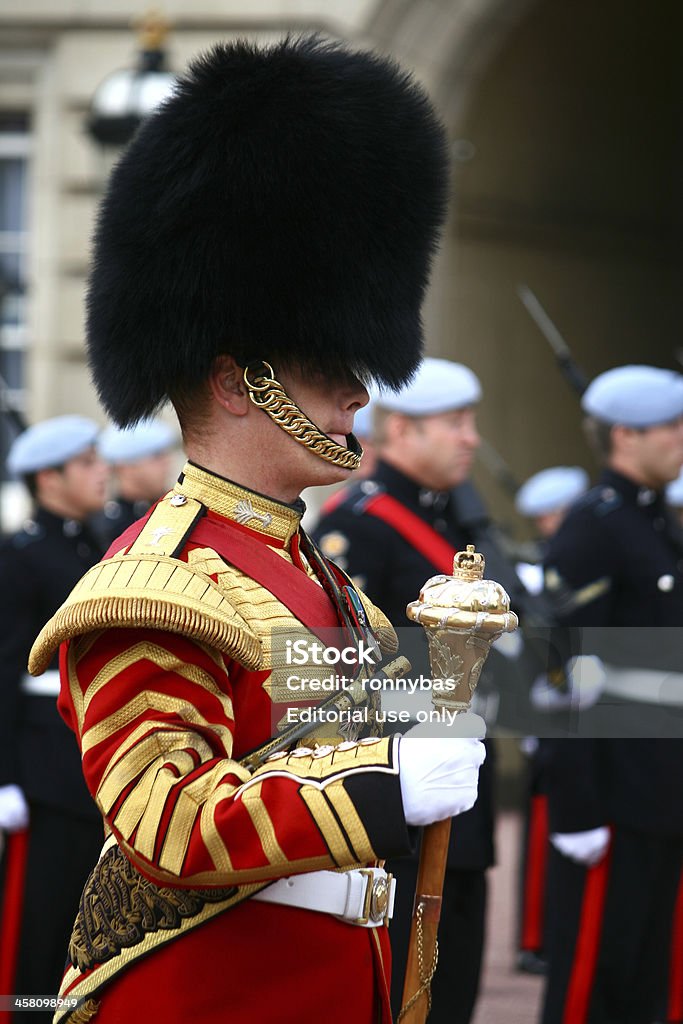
point(263, 248)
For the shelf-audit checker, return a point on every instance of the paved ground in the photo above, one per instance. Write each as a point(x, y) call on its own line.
point(506, 997)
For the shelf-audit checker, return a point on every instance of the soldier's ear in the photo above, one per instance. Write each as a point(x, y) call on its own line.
point(623, 438)
point(227, 386)
point(47, 481)
point(397, 426)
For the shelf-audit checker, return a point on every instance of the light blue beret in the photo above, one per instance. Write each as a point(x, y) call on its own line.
point(674, 492)
point(635, 396)
point(51, 443)
point(551, 490)
point(438, 386)
point(149, 437)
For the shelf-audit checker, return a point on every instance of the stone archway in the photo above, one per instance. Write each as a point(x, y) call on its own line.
point(571, 119)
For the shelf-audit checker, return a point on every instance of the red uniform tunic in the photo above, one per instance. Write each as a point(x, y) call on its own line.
point(166, 698)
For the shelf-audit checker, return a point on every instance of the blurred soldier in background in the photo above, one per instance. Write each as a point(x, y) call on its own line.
point(674, 1007)
point(426, 439)
point(141, 461)
point(546, 496)
point(616, 804)
point(41, 785)
point(391, 533)
point(545, 499)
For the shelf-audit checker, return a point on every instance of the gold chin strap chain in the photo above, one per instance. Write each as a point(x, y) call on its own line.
point(268, 394)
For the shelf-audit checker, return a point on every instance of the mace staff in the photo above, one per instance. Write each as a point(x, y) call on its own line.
point(462, 615)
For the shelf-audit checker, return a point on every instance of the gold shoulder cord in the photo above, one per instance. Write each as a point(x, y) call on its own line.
point(268, 394)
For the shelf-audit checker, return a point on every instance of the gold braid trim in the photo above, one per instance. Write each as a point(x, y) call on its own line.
point(123, 917)
point(149, 591)
point(85, 1012)
point(119, 907)
point(268, 394)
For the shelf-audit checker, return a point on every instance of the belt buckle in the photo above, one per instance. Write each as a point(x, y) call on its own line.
point(376, 899)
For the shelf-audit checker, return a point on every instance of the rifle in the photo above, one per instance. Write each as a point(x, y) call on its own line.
point(568, 368)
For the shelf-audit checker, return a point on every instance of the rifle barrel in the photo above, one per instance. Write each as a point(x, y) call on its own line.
point(563, 353)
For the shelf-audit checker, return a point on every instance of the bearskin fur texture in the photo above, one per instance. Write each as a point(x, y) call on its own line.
point(284, 204)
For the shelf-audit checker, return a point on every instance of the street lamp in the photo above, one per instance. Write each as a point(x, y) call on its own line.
point(127, 96)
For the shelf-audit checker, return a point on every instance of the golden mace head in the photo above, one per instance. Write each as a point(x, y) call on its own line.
point(462, 615)
point(465, 600)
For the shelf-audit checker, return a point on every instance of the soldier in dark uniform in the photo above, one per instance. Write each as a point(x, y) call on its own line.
point(391, 533)
point(544, 499)
point(41, 784)
point(140, 458)
point(616, 803)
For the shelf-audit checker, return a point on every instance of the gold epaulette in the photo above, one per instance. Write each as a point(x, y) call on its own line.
point(149, 588)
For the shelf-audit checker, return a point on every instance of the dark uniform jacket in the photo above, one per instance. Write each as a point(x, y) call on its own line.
point(391, 571)
point(617, 561)
point(39, 566)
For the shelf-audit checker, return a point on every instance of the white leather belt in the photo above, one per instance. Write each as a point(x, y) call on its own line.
point(648, 686)
point(364, 896)
point(46, 685)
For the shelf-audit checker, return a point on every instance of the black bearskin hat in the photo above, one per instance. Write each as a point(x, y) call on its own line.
point(282, 205)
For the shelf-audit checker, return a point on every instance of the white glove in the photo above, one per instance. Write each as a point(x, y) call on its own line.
point(585, 677)
point(585, 848)
point(13, 809)
point(531, 575)
point(438, 776)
